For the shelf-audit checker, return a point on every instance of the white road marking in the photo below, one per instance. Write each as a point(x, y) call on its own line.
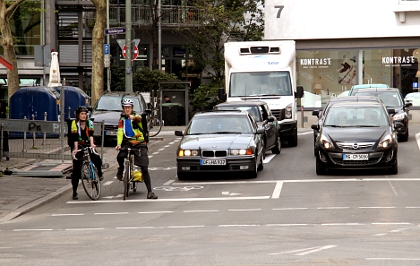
point(166, 146)
point(289, 209)
point(38, 229)
point(243, 210)
point(185, 226)
point(110, 213)
point(268, 158)
point(376, 207)
point(67, 214)
point(84, 229)
point(169, 182)
point(154, 212)
point(332, 208)
point(107, 183)
point(316, 250)
point(239, 225)
point(395, 259)
point(277, 190)
point(193, 211)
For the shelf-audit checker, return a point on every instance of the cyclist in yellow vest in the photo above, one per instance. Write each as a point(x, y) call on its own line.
point(130, 135)
point(82, 135)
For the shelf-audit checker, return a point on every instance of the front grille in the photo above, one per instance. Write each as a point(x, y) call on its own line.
point(214, 153)
point(355, 146)
point(278, 113)
point(356, 163)
point(111, 127)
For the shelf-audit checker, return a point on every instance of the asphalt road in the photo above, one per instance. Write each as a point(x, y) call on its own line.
point(286, 216)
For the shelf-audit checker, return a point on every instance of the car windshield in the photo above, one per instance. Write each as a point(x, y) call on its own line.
point(113, 103)
point(252, 110)
point(356, 116)
point(220, 124)
point(389, 98)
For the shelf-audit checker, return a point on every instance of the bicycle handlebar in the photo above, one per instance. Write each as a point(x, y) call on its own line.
point(84, 149)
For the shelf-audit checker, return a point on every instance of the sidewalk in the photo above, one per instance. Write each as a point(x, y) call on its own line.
point(22, 192)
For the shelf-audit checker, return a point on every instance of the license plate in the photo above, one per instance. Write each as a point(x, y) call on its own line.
point(111, 133)
point(355, 157)
point(213, 162)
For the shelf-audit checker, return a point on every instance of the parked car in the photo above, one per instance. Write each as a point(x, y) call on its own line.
point(413, 98)
point(356, 135)
point(355, 88)
point(320, 113)
point(391, 97)
point(220, 142)
point(108, 109)
point(261, 113)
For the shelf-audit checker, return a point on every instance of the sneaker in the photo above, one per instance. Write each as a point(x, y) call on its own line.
point(120, 174)
point(101, 178)
point(151, 195)
point(75, 196)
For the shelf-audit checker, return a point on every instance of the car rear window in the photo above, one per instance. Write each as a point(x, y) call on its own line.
point(220, 124)
point(113, 103)
point(252, 110)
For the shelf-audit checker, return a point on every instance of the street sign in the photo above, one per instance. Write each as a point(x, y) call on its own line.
point(112, 31)
point(106, 48)
point(134, 55)
point(121, 42)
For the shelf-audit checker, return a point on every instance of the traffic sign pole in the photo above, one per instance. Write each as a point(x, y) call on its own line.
point(128, 64)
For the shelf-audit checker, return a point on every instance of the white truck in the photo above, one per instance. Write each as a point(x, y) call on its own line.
point(265, 70)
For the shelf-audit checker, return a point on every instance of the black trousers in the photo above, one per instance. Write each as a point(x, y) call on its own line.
point(77, 168)
point(141, 159)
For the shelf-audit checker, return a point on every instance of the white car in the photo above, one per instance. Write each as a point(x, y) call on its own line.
point(413, 97)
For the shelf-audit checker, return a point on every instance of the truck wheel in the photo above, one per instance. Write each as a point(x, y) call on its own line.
point(293, 141)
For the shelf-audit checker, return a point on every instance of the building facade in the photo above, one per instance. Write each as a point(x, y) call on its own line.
point(343, 43)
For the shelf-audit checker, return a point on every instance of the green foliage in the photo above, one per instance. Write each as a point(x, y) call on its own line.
point(144, 79)
point(205, 97)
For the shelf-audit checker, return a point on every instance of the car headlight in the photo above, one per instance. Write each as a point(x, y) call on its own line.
point(289, 110)
point(385, 142)
point(241, 152)
point(186, 153)
point(398, 116)
point(326, 143)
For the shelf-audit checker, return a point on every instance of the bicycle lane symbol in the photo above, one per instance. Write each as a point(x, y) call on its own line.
point(181, 189)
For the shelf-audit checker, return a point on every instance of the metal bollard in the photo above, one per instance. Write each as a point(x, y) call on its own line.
point(45, 134)
point(33, 134)
point(302, 116)
point(24, 138)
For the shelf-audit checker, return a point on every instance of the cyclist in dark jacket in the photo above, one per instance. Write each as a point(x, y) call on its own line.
point(82, 136)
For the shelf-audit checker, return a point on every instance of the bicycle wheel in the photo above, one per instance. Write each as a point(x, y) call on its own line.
point(127, 176)
point(155, 126)
point(90, 181)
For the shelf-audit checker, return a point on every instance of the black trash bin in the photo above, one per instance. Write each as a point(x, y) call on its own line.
point(173, 114)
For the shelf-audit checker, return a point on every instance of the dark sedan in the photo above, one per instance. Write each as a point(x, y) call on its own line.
point(220, 142)
point(356, 135)
point(391, 97)
point(261, 113)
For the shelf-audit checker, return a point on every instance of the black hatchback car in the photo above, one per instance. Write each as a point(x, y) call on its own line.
point(261, 113)
point(356, 135)
point(220, 142)
point(108, 109)
point(391, 97)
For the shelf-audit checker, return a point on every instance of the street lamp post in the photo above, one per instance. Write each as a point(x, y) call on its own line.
point(128, 44)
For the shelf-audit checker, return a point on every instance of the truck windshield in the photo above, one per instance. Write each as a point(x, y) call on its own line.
point(260, 84)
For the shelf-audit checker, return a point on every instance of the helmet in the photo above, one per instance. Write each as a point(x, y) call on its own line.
point(81, 109)
point(127, 102)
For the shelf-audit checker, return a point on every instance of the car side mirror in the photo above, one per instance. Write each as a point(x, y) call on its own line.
point(391, 111)
point(315, 126)
point(179, 133)
point(408, 104)
point(260, 130)
point(315, 113)
point(398, 125)
point(270, 118)
point(299, 92)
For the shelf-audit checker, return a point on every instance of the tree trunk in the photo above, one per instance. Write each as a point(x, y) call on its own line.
point(8, 46)
point(98, 50)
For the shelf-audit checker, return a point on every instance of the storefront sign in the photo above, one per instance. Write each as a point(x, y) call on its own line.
point(398, 60)
point(317, 62)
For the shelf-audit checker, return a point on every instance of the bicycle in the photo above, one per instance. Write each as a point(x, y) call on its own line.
point(154, 124)
point(89, 174)
point(129, 178)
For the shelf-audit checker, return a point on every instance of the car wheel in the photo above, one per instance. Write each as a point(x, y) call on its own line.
point(403, 138)
point(260, 166)
point(320, 169)
point(277, 147)
point(394, 169)
point(293, 140)
point(253, 173)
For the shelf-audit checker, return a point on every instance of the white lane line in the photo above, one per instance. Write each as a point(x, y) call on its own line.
point(107, 183)
point(316, 250)
point(268, 158)
point(277, 190)
point(390, 223)
point(418, 139)
point(238, 225)
point(332, 208)
point(199, 211)
point(150, 212)
point(110, 213)
point(243, 210)
point(185, 226)
point(156, 152)
point(412, 207)
point(286, 224)
point(376, 207)
point(67, 214)
point(166, 146)
point(169, 182)
point(161, 149)
point(40, 229)
point(84, 229)
point(293, 251)
point(340, 224)
point(168, 200)
point(289, 209)
point(395, 259)
point(135, 228)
